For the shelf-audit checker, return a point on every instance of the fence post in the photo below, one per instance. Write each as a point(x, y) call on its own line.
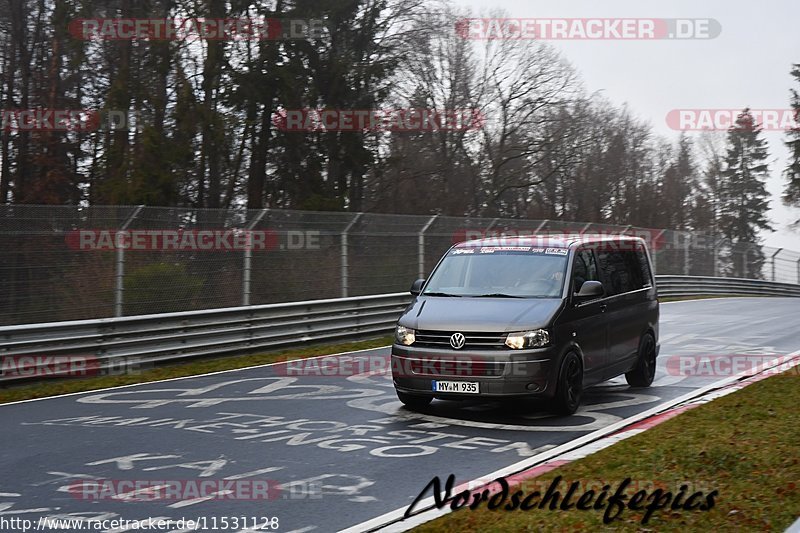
point(687, 238)
point(421, 245)
point(119, 274)
point(744, 261)
point(248, 257)
point(654, 254)
point(773, 262)
point(717, 249)
point(345, 265)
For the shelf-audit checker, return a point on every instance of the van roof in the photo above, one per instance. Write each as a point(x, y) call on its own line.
point(548, 240)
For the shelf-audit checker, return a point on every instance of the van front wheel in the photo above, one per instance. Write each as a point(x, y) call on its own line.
point(570, 385)
point(645, 370)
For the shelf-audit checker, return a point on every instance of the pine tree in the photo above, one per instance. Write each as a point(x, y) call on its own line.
point(791, 195)
point(678, 183)
point(744, 197)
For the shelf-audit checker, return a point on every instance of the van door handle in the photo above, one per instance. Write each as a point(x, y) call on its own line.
point(603, 308)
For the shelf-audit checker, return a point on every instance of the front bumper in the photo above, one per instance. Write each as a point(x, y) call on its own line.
point(499, 373)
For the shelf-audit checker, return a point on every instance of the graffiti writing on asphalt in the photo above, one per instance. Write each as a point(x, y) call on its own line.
point(376, 436)
point(378, 398)
point(142, 466)
point(270, 388)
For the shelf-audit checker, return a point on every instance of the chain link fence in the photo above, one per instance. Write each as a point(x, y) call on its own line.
point(69, 262)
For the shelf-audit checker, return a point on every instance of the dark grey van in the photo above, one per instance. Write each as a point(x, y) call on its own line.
point(529, 317)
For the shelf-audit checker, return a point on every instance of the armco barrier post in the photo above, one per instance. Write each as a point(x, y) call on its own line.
point(248, 258)
point(119, 270)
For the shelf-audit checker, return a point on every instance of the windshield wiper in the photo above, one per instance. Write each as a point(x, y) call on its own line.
point(498, 295)
point(440, 294)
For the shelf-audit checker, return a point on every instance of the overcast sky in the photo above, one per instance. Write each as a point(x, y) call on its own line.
point(748, 64)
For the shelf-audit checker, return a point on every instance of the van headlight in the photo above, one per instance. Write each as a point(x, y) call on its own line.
point(404, 335)
point(528, 339)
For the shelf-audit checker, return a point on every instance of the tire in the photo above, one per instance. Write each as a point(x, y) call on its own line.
point(414, 402)
point(645, 370)
point(570, 385)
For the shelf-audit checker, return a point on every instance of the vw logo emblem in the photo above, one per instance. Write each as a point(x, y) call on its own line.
point(457, 340)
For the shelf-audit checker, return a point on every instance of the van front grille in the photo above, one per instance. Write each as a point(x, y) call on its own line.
point(473, 340)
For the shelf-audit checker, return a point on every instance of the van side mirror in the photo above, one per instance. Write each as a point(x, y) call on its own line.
point(590, 289)
point(416, 287)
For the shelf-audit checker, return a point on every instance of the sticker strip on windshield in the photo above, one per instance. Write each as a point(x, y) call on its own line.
point(522, 249)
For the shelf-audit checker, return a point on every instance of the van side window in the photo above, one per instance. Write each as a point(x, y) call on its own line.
point(622, 271)
point(585, 269)
point(634, 267)
point(613, 269)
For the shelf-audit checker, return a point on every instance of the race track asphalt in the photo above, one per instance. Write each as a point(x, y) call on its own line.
point(336, 450)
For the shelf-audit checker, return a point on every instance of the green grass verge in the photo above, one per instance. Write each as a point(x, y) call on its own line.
point(42, 389)
point(744, 445)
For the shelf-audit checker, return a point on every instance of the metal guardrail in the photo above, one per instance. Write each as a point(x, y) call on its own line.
point(117, 343)
point(708, 286)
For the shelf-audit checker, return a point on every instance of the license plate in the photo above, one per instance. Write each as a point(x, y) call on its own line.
point(464, 387)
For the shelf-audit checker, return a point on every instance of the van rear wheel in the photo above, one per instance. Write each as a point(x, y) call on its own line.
point(414, 402)
point(570, 385)
point(644, 372)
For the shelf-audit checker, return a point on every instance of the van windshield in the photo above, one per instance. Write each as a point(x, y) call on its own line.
point(511, 272)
